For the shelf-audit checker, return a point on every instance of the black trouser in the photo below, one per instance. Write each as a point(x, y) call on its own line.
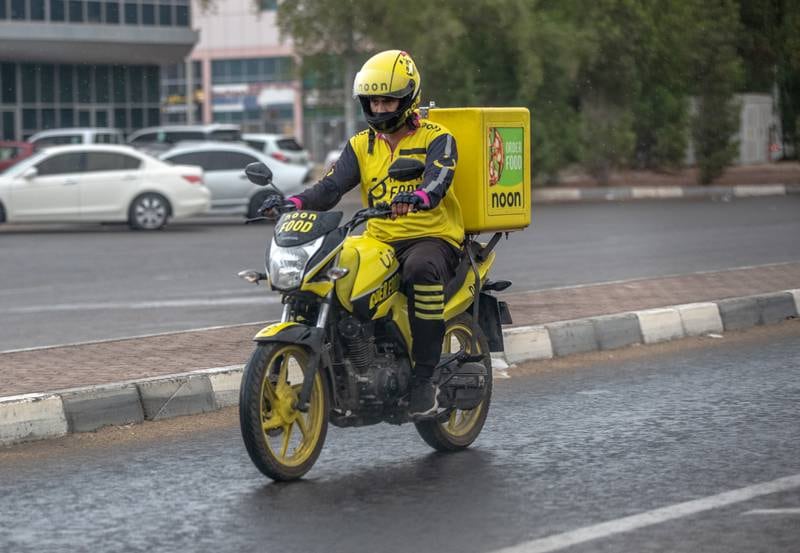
point(426, 265)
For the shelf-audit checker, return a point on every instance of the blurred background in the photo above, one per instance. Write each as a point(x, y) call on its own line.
point(671, 88)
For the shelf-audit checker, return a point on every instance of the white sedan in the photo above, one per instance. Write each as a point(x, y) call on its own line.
point(223, 165)
point(100, 183)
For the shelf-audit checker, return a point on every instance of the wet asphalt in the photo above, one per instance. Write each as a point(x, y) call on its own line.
point(564, 448)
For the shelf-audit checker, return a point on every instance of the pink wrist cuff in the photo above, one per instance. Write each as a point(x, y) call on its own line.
point(424, 195)
point(298, 203)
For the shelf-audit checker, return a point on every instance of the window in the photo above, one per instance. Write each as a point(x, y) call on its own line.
point(120, 118)
point(57, 12)
point(145, 138)
point(176, 136)
point(37, 10)
point(112, 12)
point(257, 145)
point(226, 135)
point(105, 138)
point(94, 13)
point(151, 83)
point(84, 84)
point(148, 14)
point(182, 16)
point(268, 5)
point(48, 75)
point(135, 75)
point(48, 118)
point(131, 13)
point(194, 158)
point(67, 118)
point(76, 11)
point(84, 118)
point(231, 161)
point(165, 13)
point(62, 164)
point(289, 144)
point(18, 9)
point(137, 118)
point(3, 14)
point(8, 76)
point(8, 126)
point(66, 85)
point(29, 83)
point(101, 120)
point(8, 152)
point(101, 89)
point(59, 140)
point(119, 79)
point(110, 161)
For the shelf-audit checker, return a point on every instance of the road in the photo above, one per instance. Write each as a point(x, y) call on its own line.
point(66, 284)
point(683, 447)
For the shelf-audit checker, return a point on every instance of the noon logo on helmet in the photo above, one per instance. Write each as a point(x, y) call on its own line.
point(369, 88)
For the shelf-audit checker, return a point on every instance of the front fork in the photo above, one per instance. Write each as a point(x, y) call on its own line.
point(318, 350)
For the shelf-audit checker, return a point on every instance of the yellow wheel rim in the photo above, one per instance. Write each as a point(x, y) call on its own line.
point(291, 435)
point(458, 337)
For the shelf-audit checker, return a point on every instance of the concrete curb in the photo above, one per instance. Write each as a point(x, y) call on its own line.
point(620, 193)
point(31, 417)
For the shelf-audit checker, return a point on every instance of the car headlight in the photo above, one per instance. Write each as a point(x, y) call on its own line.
point(286, 265)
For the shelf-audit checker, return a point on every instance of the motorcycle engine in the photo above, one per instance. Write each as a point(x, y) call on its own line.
point(386, 382)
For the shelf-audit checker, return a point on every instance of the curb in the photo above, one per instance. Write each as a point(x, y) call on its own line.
point(39, 416)
point(621, 193)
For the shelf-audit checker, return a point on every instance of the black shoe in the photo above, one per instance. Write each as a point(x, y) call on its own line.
point(424, 401)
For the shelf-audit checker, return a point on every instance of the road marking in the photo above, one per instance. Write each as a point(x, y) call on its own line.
point(773, 512)
point(649, 518)
point(195, 302)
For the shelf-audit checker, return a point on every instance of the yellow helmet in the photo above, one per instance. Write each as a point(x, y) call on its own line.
point(390, 73)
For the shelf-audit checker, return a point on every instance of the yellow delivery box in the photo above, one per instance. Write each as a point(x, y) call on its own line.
point(493, 175)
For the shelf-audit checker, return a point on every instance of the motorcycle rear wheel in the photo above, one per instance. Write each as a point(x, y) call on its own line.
point(462, 427)
point(282, 441)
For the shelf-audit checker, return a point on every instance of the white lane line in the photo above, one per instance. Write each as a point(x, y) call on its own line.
point(196, 302)
point(648, 518)
point(773, 512)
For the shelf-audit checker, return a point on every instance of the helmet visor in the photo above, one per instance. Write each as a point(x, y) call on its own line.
point(377, 82)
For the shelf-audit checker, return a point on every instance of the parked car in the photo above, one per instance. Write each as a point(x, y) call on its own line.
point(223, 165)
point(85, 135)
point(332, 157)
point(156, 140)
point(93, 183)
point(13, 152)
point(281, 147)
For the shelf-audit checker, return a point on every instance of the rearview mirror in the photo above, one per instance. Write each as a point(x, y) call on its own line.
point(30, 173)
point(406, 169)
point(258, 173)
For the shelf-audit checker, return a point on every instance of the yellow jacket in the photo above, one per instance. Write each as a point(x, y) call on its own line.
point(365, 160)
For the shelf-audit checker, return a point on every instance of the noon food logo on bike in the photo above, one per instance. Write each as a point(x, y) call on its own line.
point(506, 166)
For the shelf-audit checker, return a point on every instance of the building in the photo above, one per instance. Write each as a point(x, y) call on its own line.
point(241, 72)
point(66, 63)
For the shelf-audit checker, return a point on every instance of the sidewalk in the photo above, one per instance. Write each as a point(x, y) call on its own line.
point(44, 370)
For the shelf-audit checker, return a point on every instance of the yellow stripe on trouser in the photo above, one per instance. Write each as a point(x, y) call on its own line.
point(428, 288)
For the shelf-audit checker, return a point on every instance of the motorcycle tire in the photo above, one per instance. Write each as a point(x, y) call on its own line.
point(462, 427)
point(283, 442)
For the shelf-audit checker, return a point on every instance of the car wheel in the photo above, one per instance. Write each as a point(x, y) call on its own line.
point(148, 212)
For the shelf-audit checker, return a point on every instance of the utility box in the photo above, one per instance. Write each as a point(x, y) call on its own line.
point(493, 174)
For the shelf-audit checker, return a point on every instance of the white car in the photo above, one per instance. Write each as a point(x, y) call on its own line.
point(84, 135)
point(332, 157)
point(223, 166)
point(100, 183)
point(278, 146)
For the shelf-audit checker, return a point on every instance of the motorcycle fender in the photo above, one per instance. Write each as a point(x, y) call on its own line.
point(491, 315)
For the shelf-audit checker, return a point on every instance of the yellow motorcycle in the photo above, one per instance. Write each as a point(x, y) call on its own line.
point(341, 353)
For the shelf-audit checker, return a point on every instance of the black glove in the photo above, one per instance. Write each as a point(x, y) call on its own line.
point(405, 202)
point(275, 204)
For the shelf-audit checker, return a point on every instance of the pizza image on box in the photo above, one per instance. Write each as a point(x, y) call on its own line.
point(496, 156)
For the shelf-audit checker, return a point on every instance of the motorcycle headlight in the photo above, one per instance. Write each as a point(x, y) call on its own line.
point(286, 265)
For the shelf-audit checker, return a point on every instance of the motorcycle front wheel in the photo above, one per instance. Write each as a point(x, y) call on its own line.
point(462, 427)
point(282, 441)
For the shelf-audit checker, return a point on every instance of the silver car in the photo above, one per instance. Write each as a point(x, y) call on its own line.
point(223, 166)
point(278, 146)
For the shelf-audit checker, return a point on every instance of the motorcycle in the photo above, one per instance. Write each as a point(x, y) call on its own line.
point(341, 353)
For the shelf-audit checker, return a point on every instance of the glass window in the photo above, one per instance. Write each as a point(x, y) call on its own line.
point(37, 10)
point(226, 134)
point(177, 136)
point(101, 120)
point(112, 12)
point(57, 10)
point(8, 76)
point(110, 161)
point(28, 83)
point(151, 83)
point(101, 88)
point(94, 13)
point(231, 161)
point(3, 14)
point(257, 145)
point(137, 118)
point(8, 152)
point(29, 119)
point(67, 118)
point(65, 84)
point(84, 84)
point(268, 5)
point(193, 158)
point(182, 16)
point(145, 138)
point(137, 90)
point(8, 126)
point(289, 144)
point(48, 76)
point(48, 118)
point(131, 13)
point(76, 11)
point(18, 9)
point(153, 117)
point(121, 118)
point(62, 164)
point(84, 118)
point(148, 14)
point(119, 80)
point(165, 13)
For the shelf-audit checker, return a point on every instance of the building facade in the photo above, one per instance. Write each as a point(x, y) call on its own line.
point(241, 72)
point(68, 63)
